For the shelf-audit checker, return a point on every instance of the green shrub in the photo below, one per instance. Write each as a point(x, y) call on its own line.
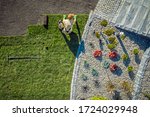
point(111, 39)
point(111, 46)
point(104, 23)
point(109, 31)
point(84, 78)
point(135, 51)
point(110, 87)
point(97, 35)
point(124, 57)
point(123, 36)
point(126, 86)
point(115, 42)
point(130, 68)
point(86, 64)
point(98, 98)
point(94, 72)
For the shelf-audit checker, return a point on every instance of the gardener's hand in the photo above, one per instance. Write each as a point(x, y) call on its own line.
point(75, 18)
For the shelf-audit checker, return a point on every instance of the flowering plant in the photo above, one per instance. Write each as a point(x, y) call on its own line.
point(112, 54)
point(97, 53)
point(113, 67)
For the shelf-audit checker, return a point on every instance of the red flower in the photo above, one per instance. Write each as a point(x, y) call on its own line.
point(97, 53)
point(112, 54)
point(113, 67)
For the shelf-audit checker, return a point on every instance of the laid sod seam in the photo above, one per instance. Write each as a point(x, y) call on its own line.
point(46, 78)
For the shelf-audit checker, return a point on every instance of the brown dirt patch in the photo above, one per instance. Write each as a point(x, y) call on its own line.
point(16, 15)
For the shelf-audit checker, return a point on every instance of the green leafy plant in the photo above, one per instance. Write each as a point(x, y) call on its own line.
point(124, 57)
point(111, 39)
point(106, 64)
point(97, 83)
point(84, 78)
point(109, 31)
point(104, 23)
point(136, 51)
point(86, 64)
point(110, 87)
point(130, 68)
point(126, 86)
point(123, 36)
point(94, 72)
point(115, 42)
point(98, 98)
point(97, 35)
point(111, 46)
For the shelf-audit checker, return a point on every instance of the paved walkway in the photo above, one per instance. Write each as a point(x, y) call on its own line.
point(142, 82)
point(146, 82)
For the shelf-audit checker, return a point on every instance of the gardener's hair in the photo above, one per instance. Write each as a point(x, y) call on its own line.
point(70, 16)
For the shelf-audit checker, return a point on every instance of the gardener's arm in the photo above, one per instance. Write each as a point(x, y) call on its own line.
point(64, 17)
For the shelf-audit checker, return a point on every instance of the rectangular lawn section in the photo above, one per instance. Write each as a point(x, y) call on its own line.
point(39, 65)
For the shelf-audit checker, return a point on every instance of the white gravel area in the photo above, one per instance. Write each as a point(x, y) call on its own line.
point(88, 85)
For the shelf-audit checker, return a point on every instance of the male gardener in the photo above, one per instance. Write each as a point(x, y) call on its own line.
point(66, 24)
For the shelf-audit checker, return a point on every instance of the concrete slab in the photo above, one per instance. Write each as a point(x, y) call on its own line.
point(146, 3)
point(146, 25)
point(122, 12)
point(139, 19)
point(132, 15)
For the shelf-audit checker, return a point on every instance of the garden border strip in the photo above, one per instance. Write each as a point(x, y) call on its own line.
point(140, 74)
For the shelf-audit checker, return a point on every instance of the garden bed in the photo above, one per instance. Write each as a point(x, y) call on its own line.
point(109, 63)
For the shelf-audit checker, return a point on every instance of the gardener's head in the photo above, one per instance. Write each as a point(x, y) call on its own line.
point(70, 16)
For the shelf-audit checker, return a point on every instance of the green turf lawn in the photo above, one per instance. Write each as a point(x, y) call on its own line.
point(49, 75)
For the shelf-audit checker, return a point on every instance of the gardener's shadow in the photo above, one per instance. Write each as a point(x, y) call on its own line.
point(73, 42)
point(79, 33)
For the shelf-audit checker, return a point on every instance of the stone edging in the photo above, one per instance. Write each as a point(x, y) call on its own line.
point(140, 74)
point(77, 60)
